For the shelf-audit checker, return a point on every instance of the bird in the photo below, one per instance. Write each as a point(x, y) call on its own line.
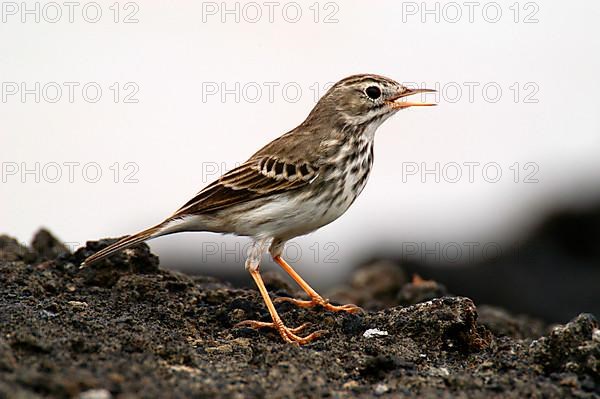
point(294, 185)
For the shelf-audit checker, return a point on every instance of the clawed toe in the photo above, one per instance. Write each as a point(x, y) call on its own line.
point(288, 334)
point(298, 302)
point(265, 324)
point(350, 308)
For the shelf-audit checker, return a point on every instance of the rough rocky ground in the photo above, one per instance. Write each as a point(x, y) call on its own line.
point(126, 328)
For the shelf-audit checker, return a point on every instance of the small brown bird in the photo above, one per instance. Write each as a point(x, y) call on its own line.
point(294, 185)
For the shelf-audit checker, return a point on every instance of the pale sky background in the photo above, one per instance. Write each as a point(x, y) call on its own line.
point(177, 133)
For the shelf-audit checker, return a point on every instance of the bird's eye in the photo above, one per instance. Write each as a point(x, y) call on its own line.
point(373, 92)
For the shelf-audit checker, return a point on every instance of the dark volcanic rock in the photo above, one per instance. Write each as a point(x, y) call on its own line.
point(501, 323)
point(47, 246)
point(420, 290)
point(11, 250)
point(574, 347)
point(125, 328)
point(107, 272)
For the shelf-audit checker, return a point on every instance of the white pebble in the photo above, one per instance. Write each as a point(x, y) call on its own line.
point(380, 389)
point(95, 394)
point(78, 304)
point(374, 332)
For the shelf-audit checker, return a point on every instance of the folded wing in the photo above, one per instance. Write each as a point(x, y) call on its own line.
point(258, 177)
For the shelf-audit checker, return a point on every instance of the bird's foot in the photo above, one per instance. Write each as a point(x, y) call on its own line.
point(288, 334)
point(320, 301)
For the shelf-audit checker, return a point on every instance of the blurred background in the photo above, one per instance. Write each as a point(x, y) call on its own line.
point(113, 114)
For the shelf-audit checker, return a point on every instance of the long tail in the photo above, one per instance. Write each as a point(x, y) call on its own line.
point(126, 242)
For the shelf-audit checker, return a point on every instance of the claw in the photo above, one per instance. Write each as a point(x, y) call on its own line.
point(288, 334)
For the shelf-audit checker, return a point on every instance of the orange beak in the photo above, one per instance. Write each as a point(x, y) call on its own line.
point(405, 104)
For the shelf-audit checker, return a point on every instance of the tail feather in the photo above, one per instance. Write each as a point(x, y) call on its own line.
point(124, 243)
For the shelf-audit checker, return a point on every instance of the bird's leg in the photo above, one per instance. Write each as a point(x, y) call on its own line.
point(288, 334)
point(315, 298)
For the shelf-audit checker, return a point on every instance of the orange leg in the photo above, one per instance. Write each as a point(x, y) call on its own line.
point(315, 298)
point(288, 334)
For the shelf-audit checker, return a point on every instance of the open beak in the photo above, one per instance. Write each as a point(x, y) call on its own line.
point(396, 102)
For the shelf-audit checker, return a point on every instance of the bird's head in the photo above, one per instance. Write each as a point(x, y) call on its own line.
point(362, 99)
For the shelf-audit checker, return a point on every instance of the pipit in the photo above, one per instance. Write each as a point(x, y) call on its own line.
point(294, 185)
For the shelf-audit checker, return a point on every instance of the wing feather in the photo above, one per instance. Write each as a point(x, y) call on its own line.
point(258, 177)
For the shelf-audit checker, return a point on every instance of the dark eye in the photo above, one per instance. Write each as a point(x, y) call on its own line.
point(373, 92)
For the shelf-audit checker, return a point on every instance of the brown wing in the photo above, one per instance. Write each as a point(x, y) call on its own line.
point(260, 176)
